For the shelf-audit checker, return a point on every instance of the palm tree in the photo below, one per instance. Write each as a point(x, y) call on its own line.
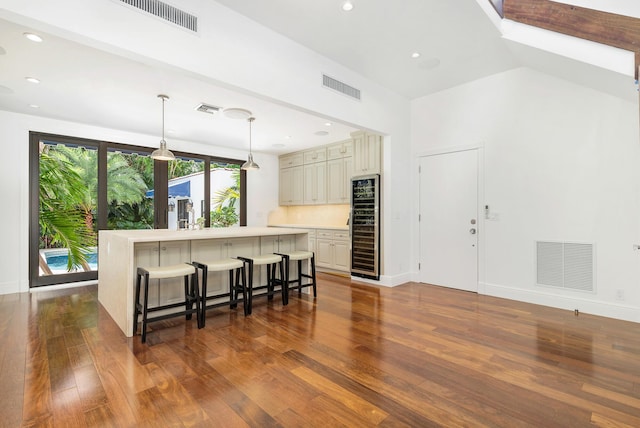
point(62, 224)
point(125, 184)
point(223, 213)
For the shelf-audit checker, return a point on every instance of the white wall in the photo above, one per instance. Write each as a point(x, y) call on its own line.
point(561, 164)
point(262, 185)
point(234, 51)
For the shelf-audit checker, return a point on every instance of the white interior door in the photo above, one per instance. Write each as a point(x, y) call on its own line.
point(449, 220)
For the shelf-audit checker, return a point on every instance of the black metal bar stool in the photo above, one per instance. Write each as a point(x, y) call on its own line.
point(191, 295)
point(231, 265)
point(299, 256)
point(271, 261)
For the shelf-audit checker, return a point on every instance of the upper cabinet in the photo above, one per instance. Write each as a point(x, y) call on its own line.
point(339, 171)
point(291, 175)
point(366, 153)
point(322, 175)
point(315, 176)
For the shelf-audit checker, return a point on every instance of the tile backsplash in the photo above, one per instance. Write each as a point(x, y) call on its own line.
point(317, 215)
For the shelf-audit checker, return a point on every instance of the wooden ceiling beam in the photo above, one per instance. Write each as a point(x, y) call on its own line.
point(603, 27)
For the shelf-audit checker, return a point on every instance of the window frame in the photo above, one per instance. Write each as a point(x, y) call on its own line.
point(160, 171)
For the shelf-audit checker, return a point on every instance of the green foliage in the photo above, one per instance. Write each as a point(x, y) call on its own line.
point(62, 222)
point(224, 217)
point(223, 213)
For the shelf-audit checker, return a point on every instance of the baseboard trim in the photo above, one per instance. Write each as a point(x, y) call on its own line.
point(583, 304)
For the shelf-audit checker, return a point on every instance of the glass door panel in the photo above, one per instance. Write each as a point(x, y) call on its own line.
point(186, 190)
point(129, 190)
point(67, 209)
point(225, 194)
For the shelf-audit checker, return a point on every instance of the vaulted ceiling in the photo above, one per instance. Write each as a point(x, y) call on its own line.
point(457, 41)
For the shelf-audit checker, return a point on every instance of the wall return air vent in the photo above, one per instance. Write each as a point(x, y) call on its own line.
point(567, 265)
point(343, 88)
point(167, 12)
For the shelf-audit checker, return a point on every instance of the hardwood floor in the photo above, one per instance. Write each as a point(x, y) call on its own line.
point(360, 356)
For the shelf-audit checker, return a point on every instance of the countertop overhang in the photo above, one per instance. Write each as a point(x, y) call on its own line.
point(150, 235)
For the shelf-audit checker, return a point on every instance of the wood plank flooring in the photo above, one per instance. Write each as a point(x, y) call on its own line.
point(359, 356)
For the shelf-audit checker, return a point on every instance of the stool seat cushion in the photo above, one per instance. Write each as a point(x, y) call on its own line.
point(266, 259)
point(299, 255)
point(159, 272)
point(222, 264)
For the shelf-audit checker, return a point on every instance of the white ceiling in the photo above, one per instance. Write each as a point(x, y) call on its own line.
point(457, 42)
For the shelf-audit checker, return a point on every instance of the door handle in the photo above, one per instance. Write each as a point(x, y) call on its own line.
point(472, 231)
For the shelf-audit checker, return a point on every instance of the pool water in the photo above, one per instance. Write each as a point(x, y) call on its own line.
point(58, 260)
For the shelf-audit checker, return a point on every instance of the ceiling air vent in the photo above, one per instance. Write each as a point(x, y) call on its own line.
point(166, 12)
point(206, 108)
point(343, 88)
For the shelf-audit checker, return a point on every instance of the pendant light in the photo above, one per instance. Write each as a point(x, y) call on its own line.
point(162, 154)
point(250, 164)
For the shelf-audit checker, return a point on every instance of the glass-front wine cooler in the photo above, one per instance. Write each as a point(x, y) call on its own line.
point(365, 226)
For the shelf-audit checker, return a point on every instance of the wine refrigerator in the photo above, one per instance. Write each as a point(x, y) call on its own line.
point(364, 226)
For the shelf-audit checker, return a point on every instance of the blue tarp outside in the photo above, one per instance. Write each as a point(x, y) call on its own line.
point(176, 190)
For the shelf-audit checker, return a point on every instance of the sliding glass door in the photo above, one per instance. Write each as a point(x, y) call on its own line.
point(80, 186)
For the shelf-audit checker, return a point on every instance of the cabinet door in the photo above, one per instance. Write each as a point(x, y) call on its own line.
point(324, 252)
point(286, 186)
point(290, 186)
point(173, 253)
point(208, 250)
point(341, 255)
point(296, 186)
point(147, 254)
point(336, 181)
point(366, 155)
point(245, 247)
point(315, 183)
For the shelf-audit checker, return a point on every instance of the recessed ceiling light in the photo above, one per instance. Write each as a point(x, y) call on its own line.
point(347, 6)
point(327, 124)
point(34, 106)
point(321, 133)
point(278, 145)
point(32, 79)
point(287, 137)
point(415, 55)
point(33, 37)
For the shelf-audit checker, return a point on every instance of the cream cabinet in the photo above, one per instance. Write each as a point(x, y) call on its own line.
point(332, 250)
point(291, 185)
point(153, 254)
point(315, 183)
point(279, 244)
point(291, 176)
point(339, 172)
point(315, 176)
point(343, 149)
point(366, 153)
point(215, 249)
point(291, 159)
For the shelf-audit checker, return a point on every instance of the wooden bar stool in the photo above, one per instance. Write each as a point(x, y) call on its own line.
point(271, 261)
point(299, 256)
point(228, 264)
point(161, 272)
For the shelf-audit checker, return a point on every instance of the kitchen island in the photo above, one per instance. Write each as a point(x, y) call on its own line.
point(120, 252)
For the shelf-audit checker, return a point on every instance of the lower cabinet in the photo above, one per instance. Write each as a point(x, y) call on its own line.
point(332, 250)
point(279, 244)
point(153, 254)
point(216, 249)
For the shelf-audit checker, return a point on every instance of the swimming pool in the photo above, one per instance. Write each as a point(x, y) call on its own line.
point(57, 259)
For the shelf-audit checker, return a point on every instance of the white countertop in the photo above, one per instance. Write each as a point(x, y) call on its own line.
point(150, 235)
point(310, 226)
